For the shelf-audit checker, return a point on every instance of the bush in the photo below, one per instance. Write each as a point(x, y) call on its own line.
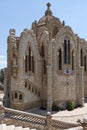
point(70, 106)
point(55, 108)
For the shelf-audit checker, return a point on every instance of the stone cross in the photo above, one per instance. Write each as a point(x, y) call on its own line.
point(48, 5)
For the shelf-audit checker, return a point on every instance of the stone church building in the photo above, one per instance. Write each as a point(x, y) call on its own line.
point(46, 65)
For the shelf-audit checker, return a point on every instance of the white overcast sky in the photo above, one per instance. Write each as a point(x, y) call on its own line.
point(20, 14)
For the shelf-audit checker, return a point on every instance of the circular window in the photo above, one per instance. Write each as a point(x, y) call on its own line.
point(67, 71)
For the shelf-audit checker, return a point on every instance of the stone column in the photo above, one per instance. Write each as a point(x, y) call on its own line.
point(79, 77)
point(81, 86)
point(77, 69)
point(1, 113)
point(49, 77)
point(49, 88)
point(48, 122)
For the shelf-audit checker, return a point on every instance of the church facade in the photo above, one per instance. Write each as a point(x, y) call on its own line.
point(46, 65)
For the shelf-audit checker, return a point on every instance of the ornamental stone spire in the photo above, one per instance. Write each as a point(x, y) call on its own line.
point(48, 11)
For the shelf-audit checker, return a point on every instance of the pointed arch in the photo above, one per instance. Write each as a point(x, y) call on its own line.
point(27, 39)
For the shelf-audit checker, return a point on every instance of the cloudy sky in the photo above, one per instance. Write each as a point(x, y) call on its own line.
point(20, 14)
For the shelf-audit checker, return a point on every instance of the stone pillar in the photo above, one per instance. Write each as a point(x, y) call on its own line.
point(49, 88)
point(81, 86)
point(1, 112)
point(77, 69)
point(10, 46)
point(79, 76)
point(49, 77)
point(48, 121)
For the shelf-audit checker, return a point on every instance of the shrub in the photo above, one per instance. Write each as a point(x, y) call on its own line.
point(70, 106)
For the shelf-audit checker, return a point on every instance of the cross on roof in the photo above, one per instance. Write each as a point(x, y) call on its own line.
point(48, 5)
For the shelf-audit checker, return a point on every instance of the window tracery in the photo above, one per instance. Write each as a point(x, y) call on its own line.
point(67, 51)
point(29, 61)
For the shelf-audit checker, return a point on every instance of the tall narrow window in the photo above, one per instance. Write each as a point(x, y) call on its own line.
point(33, 64)
point(15, 95)
point(25, 63)
point(85, 63)
point(42, 50)
point(25, 84)
point(72, 60)
point(44, 66)
point(29, 59)
point(65, 52)
point(12, 96)
point(29, 87)
point(81, 57)
point(38, 93)
point(32, 89)
point(60, 59)
point(68, 52)
point(20, 97)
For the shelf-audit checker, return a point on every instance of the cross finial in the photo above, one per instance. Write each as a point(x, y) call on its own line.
point(48, 5)
point(48, 11)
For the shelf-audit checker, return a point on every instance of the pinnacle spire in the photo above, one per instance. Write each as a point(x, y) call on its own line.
point(48, 11)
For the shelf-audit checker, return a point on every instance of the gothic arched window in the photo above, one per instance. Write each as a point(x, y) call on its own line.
point(25, 84)
point(68, 52)
point(20, 96)
point(16, 95)
point(42, 50)
point(44, 66)
point(85, 63)
point(67, 49)
point(33, 64)
point(29, 61)
point(72, 60)
point(65, 52)
point(60, 59)
point(29, 87)
point(81, 57)
point(26, 63)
